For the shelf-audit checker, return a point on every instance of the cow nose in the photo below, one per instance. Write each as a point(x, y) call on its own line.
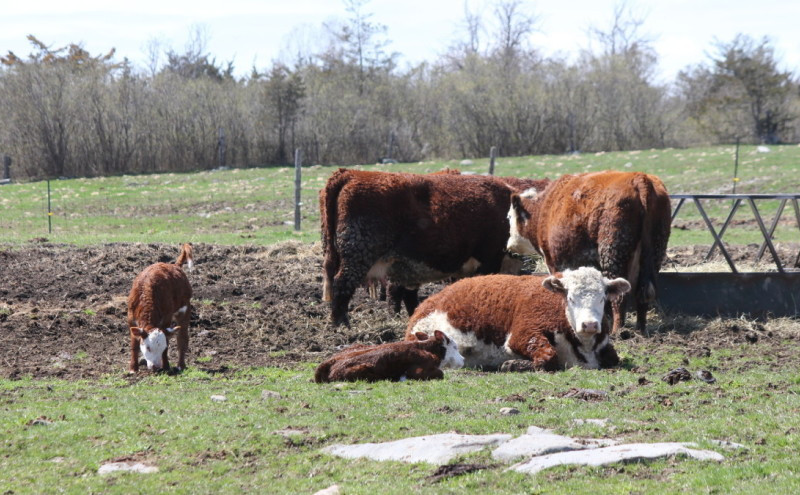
point(589, 327)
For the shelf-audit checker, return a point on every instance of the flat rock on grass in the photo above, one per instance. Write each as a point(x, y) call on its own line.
point(618, 453)
point(130, 466)
point(435, 449)
point(537, 441)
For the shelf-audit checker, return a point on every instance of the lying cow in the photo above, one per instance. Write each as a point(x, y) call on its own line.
point(160, 293)
point(422, 359)
point(410, 229)
point(528, 322)
point(618, 222)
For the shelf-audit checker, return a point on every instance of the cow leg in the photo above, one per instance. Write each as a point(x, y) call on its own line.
point(344, 286)
point(183, 336)
point(538, 351)
point(133, 366)
point(395, 296)
point(411, 299)
point(641, 317)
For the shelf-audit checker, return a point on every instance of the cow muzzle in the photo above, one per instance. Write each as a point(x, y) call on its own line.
point(590, 327)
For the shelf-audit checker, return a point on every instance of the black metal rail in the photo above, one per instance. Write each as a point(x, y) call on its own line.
point(750, 199)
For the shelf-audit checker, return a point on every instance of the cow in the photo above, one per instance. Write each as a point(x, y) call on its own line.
point(422, 359)
point(525, 322)
point(618, 222)
point(410, 229)
point(160, 293)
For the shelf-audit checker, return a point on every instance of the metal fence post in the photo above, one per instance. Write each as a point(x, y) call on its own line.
point(297, 176)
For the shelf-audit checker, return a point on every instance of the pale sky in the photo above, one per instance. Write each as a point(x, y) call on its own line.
point(254, 32)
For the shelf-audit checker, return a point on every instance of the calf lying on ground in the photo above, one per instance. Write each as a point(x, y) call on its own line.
point(159, 294)
point(421, 359)
point(528, 322)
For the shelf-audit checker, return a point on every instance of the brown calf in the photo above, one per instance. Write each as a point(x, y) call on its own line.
point(160, 294)
point(396, 361)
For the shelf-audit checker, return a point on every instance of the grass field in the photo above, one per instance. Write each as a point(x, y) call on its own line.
point(55, 434)
point(257, 442)
point(244, 206)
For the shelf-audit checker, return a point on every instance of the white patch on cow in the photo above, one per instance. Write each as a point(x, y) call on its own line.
point(153, 348)
point(183, 309)
point(452, 358)
point(516, 242)
point(566, 352)
point(475, 353)
point(530, 193)
point(189, 265)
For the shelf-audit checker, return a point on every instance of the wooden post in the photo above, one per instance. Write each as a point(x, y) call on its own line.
point(492, 154)
point(297, 175)
point(221, 148)
point(7, 167)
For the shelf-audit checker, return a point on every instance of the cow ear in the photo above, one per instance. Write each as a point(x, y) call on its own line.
point(138, 332)
point(554, 284)
point(616, 288)
point(439, 335)
point(519, 210)
point(421, 336)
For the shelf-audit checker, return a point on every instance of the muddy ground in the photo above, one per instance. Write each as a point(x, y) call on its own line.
point(63, 309)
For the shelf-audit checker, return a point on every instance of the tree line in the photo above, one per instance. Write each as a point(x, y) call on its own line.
point(67, 112)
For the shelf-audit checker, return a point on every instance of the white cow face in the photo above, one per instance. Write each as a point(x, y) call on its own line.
point(586, 291)
point(452, 358)
point(153, 344)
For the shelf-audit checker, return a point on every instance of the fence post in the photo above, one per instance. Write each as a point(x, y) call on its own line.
point(6, 167)
point(49, 212)
point(221, 148)
point(736, 167)
point(297, 175)
point(492, 154)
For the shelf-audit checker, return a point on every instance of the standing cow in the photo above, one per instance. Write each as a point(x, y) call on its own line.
point(618, 222)
point(410, 229)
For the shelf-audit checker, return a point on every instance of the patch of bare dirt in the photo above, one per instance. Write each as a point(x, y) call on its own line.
point(63, 311)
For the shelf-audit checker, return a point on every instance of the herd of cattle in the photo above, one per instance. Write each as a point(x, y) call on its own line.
point(601, 234)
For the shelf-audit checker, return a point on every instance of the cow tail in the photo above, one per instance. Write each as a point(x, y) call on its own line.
point(329, 199)
point(185, 257)
point(649, 261)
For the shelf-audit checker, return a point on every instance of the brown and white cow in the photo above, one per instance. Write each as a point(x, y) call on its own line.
point(160, 293)
point(410, 229)
point(422, 359)
point(618, 222)
point(525, 322)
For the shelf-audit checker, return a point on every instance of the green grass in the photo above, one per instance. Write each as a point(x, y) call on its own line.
point(255, 206)
point(202, 446)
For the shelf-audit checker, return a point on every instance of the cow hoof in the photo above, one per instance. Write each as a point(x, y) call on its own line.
point(517, 365)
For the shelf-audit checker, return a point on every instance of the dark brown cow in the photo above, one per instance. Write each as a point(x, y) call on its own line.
point(618, 222)
point(411, 229)
point(520, 323)
point(160, 293)
point(422, 359)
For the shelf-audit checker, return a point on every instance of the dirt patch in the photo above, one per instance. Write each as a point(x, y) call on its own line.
point(63, 310)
